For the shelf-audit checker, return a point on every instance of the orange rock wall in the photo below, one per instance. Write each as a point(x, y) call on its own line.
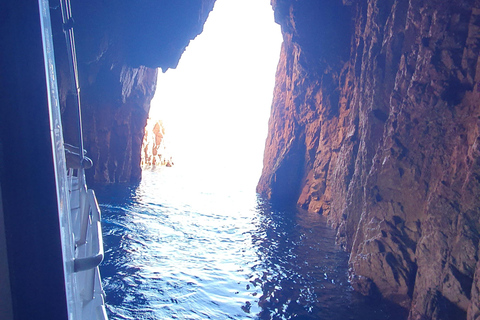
point(384, 141)
point(154, 149)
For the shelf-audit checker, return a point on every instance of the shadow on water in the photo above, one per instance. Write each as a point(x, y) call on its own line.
point(305, 273)
point(212, 255)
point(116, 201)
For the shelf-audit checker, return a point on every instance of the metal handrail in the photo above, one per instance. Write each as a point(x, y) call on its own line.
point(72, 61)
point(82, 241)
point(89, 251)
point(90, 234)
point(90, 216)
point(84, 216)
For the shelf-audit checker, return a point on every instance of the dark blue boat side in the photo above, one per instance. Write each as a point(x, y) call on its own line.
point(28, 193)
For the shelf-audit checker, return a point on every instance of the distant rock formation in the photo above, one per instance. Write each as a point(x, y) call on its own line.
point(154, 150)
point(375, 124)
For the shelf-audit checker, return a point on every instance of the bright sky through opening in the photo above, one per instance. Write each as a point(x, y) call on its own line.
point(215, 105)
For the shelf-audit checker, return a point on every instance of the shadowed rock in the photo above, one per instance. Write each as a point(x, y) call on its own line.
point(387, 140)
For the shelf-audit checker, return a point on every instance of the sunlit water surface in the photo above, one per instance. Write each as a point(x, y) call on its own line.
point(178, 248)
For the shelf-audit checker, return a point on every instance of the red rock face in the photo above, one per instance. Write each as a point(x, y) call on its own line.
point(385, 142)
point(117, 114)
point(154, 151)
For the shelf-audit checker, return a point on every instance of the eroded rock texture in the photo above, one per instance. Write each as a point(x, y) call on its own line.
point(154, 149)
point(376, 124)
point(119, 46)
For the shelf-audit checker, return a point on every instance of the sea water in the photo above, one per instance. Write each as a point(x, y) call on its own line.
point(178, 247)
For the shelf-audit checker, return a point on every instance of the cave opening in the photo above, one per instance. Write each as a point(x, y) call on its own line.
point(184, 234)
point(214, 107)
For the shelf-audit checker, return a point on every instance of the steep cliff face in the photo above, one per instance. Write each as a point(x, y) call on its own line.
point(383, 139)
point(120, 45)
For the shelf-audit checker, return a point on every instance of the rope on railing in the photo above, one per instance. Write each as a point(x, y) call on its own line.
point(72, 61)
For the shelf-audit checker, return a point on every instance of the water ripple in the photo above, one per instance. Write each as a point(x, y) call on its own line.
point(173, 252)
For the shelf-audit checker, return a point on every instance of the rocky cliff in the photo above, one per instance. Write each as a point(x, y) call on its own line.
point(375, 124)
point(120, 45)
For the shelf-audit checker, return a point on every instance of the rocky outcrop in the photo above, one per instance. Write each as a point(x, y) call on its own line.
point(120, 45)
point(383, 139)
point(154, 149)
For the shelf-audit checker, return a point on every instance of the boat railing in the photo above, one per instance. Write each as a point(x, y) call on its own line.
point(86, 220)
point(79, 213)
point(90, 225)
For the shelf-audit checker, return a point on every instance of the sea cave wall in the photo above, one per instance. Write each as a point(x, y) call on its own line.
point(375, 124)
point(120, 45)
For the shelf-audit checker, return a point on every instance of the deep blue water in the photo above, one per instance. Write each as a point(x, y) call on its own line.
point(178, 248)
